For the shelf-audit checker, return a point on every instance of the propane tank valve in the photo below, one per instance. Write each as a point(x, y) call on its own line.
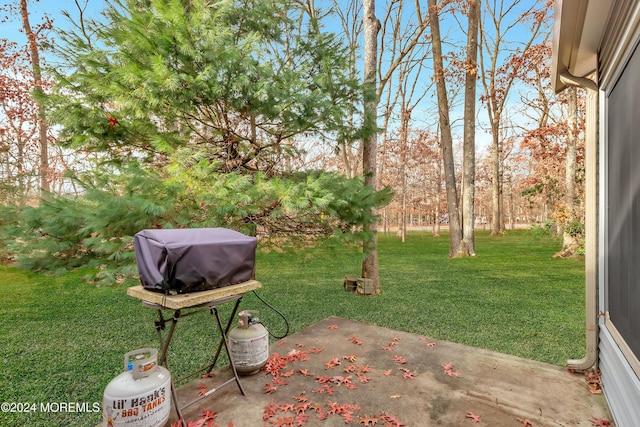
point(248, 318)
point(249, 343)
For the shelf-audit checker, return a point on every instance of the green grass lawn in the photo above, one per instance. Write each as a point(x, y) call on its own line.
point(62, 340)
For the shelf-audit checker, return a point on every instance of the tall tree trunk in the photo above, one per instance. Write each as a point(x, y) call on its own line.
point(369, 144)
point(22, 176)
point(496, 212)
point(456, 248)
point(37, 77)
point(436, 225)
point(469, 144)
point(569, 241)
point(405, 116)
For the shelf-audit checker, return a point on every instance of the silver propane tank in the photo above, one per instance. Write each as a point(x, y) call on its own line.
point(141, 395)
point(249, 343)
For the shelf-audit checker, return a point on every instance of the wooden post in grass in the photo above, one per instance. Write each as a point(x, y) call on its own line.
point(366, 287)
point(350, 283)
point(360, 285)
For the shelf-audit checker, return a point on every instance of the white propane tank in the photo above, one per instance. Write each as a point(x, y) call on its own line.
point(249, 343)
point(140, 396)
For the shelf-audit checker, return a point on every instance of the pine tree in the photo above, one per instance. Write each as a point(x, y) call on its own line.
point(188, 106)
point(232, 78)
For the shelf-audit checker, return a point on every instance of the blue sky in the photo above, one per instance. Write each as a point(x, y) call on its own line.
point(53, 8)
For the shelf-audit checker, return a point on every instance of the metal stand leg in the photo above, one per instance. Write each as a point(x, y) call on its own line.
point(164, 361)
point(166, 341)
point(214, 311)
point(226, 346)
point(164, 344)
point(174, 396)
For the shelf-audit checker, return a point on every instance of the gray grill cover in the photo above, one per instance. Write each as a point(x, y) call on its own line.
point(195, 259)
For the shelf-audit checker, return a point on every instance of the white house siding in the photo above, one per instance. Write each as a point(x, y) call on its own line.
point(620, 384)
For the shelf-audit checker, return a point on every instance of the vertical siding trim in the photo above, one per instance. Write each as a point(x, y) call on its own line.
point(620, 36)
point(620, 381)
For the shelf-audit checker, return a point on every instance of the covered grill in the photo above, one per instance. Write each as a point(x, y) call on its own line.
point(195, 259)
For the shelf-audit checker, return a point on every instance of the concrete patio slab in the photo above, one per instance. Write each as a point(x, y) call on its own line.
point(340, 372)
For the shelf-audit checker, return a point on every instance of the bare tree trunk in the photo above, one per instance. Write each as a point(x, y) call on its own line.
point(405, 116)
point(371, 29)
point(22, 176)
point(501, 191)
point(512, 212)
point(456, 247)
point(496, 212)
point(568, 241)
point(469, 145)
point(403, 216)
point(37, 76)
point(436, 225)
